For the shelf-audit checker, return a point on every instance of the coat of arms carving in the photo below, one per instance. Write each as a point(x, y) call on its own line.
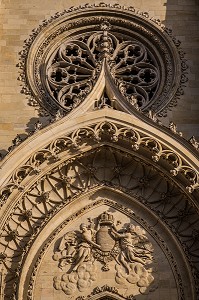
point(126, 251)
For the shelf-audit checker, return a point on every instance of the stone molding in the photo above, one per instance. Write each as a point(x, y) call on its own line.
point(62, 156)
point(34, 267)
point(106, 291)
point(53, 32)
point(138, 134)
point(26, 214)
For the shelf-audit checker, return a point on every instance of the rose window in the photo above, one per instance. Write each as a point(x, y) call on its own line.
point(75, 66)
point(113, 56)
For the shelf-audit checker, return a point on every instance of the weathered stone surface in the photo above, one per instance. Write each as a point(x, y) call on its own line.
point(20, 17)
point(103, 202)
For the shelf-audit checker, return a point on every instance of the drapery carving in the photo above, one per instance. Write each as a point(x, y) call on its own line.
point(102, 241)
point(120, 61)
point(105, 167)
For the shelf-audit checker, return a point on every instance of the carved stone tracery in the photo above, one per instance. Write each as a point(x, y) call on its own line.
point(138, 53)
point(71, 278)
point(55, 190)
point(74, 66)
point(98, 133)
point(135, 59)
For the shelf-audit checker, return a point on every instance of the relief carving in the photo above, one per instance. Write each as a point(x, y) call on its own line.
point(70, 72)
point(124, 252)
point(76, 65)
point(170, 206)
point(73, 140)
point(107, 293)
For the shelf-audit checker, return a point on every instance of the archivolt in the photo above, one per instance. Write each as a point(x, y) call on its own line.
point(149, 42)
point(147, 140)
point(85, 204)
point(80, 154)
point(100, 167)
point(99, 153)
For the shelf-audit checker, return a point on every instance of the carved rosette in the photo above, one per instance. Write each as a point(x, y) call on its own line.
point(62, 65)
point(71, 74)
point(128, 248)
point(127, 59)
point(73, 68)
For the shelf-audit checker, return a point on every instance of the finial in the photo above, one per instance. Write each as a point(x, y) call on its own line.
point(194, 142)
point(173, 128)
point(105, 26)
point(105, 43)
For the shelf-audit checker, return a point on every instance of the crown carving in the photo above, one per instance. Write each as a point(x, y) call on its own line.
point(106, 219)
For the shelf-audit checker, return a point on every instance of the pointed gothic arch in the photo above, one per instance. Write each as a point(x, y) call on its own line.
point(115, 160)
point(82, 153)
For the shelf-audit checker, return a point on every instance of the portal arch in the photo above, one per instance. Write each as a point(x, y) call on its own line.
point(104, 169)
point(106, 164)
point(44, 257)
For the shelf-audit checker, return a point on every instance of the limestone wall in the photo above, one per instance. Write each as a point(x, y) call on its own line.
point(19, 17)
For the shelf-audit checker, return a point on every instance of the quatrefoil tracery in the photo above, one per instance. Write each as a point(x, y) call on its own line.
point(74, 68)
point(102, 49)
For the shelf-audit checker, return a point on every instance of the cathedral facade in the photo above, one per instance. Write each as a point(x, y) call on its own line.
point(99, 162)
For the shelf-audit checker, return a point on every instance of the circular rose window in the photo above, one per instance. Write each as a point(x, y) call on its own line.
point(139, 59)
point(73, 68)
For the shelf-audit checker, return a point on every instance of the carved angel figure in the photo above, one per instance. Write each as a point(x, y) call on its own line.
point(128, 249)
point(75, 247)
point(84, 247)
point(67, 249)
point(143, 246)
point(133, 245)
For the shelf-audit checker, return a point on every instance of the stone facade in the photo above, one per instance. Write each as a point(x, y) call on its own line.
point(99, 199)
point(19, 18)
